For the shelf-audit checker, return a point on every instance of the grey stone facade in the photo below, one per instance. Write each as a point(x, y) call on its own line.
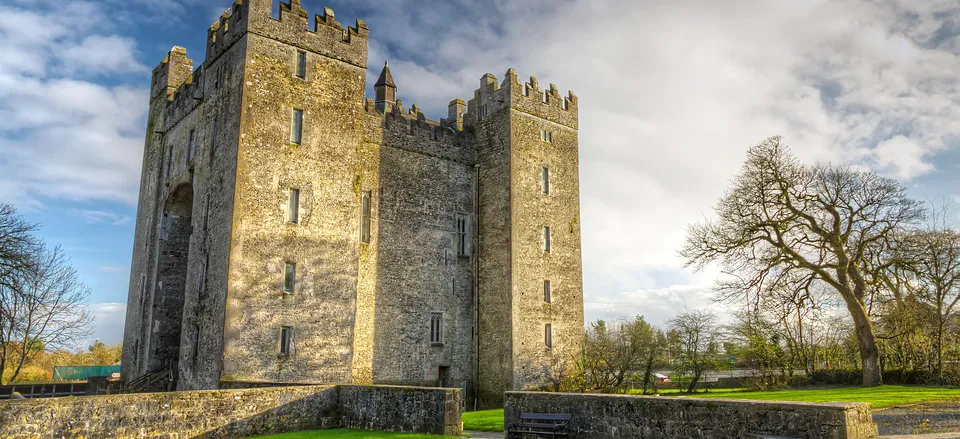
point(404, 224)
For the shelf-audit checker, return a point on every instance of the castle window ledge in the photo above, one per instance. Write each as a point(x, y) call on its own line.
point(436, 345)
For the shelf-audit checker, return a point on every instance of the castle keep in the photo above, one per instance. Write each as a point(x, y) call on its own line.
point(291, 230)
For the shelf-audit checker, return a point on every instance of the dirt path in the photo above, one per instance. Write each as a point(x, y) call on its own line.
point(941, 418)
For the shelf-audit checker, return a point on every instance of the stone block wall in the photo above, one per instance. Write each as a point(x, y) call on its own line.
point(424, 409)
point(606, 416)
point(234, 413)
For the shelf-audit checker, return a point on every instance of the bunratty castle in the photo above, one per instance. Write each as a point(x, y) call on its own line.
point(292, 230)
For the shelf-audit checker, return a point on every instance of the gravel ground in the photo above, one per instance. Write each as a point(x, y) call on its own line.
point(923, 418)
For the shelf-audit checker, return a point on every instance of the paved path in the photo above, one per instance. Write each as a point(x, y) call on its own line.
point(925, 436)
point(484, 435)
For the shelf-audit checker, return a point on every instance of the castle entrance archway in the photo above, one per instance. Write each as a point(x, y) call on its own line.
point(172, 264)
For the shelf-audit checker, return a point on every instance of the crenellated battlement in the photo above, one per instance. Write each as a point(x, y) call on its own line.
point(410, 130)
point(328, 37)
point(174, 70)
point(527, 97)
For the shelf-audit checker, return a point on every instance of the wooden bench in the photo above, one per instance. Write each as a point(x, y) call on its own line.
point(540, 424)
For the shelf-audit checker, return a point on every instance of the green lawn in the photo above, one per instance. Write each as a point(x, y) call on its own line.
point(881, 396)
point(483, 420)
point(341, 433)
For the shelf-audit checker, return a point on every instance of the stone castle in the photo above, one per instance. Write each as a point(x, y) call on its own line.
point(291, 230)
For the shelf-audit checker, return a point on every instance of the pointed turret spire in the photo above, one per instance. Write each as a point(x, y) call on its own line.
point(385, 90)
point(386, 79)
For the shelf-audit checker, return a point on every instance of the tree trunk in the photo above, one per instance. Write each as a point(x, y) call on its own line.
point(867, 342)
point(693, 382)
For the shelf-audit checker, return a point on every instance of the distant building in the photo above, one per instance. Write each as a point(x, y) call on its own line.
point(291, 230)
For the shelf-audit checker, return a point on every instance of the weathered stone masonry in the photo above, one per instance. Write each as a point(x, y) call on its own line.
point(453, 230)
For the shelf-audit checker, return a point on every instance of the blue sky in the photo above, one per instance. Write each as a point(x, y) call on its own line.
point(671, 95)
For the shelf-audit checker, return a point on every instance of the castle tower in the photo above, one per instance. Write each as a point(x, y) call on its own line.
point(290, 229)
point(530, 300)
point(385, 91)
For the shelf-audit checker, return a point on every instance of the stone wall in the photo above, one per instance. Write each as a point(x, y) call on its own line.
point(234, 413)
point(606, 416)
point(422, 409)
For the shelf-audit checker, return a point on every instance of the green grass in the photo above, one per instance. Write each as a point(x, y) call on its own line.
point(881, 396)
point(483, 420)
point(341, 433)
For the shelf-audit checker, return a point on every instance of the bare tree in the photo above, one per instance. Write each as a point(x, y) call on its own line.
point(698, 336)
point(42, 301)
point(786, 225)
point(932, 257)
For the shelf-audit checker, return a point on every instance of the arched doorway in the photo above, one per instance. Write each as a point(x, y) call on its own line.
point(172, 262)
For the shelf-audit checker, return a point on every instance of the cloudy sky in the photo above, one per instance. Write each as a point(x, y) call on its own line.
point(671, 95)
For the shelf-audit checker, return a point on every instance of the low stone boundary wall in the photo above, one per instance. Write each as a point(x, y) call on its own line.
point(230, 413)
point(425, 409)
point(607, 416)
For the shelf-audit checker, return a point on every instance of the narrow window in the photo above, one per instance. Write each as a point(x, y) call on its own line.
point(301, 64)
point(143, 290)
point(545, 94)
point(546, 136)
point(191, 145)
point(461, 236)
point(286, 341)
point(526, 89)
point(202, 284)
point(548, 336)
point(545, 177)
point(170, 161)
point(289, 277)
point(436, 328)
point(213, 137)
point(296, 133)
point(206, 211)
point(216, 78)
point(546, 291)
point(546, 239)
point(365, 218)
point(293, 206)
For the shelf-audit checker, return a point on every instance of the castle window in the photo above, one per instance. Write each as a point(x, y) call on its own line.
point(213, 137)
point(289, 277)
point(436, 328)
point(192, 145)
point(286, 341)
point(293, 206)
point(483, 111)
point(546, 292)
point(546, 239)
point(545, 97)
point(546, 136)
point(526, 89)
point(216, 78)
point(301, 64)
point(296, 132)
point(462, 236)
point(545, 180)
point(170, 161)
point(365, 217)
point(206, 211)
point(566, 104)
point(202, 284)
point(548, 336)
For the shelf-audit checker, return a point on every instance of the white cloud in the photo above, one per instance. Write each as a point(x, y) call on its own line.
point(100, 216)
point(108, 320)
point(63, 134)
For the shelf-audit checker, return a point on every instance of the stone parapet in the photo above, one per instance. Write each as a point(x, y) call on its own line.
point(234, 413)
point(623, 416)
